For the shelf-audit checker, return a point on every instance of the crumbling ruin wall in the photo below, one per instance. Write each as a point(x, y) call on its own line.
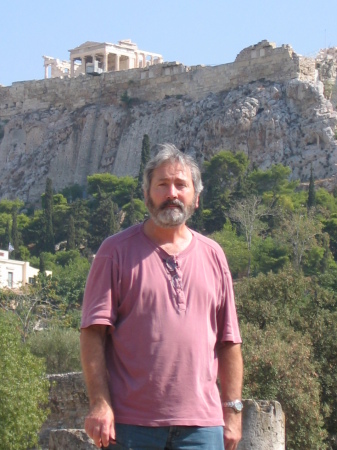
point(261, 61)
point(326, 64)
point(263, 421)
point(68, 404)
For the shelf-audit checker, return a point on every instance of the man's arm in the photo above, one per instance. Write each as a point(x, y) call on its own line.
point(99, 423)
point(230, 376)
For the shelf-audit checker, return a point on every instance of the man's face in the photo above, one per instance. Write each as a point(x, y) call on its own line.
point(171, 199)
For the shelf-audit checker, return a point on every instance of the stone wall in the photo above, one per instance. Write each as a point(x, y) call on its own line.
point(68, 404)
point(261, 61)
point(326, 64)
point(263, 421)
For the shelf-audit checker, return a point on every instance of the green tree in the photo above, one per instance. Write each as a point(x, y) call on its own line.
point(49, 240)
point(60, 218)
point(330, 227)
point(71, 233)
point(268, 255)
point(81, 213)
point(299, 232)
point(221, 177)
point(271, 298)
point(59, 347)
point(33, 304)
point(7, 206)
point(197, 220)
point(102, 224)
point(274, 180)
point(8, 233)
point(288, 300)
point(311, 191)
point(33, 232)
point(23, 389)
point(247, 213)
point(15, 235)
point(69, 277)
point(135, 212)
point(322, 327)
point(73, 192)
point(234, 247)
point(145, 157)
point(42, 263)
point(104, 184)
point(131, 212)
point(279, 365)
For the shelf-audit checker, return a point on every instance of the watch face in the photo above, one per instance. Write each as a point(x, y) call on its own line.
point(238, 406)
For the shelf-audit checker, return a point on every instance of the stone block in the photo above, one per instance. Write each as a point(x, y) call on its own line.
point(70, 439)
point(263, 426)
point(263, 421)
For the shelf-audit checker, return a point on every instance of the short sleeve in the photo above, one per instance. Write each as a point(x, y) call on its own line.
point(99, 301)
point(227, 320)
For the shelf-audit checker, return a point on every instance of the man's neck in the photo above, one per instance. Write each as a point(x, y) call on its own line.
point(173, 240)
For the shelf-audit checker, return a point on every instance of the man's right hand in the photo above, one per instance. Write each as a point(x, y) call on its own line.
point(100, 425)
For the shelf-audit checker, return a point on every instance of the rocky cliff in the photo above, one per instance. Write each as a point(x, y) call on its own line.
point(269, 103)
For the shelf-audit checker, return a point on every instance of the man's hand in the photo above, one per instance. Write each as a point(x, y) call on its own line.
point(99, 423)
point(100, 426)
point(232, 429)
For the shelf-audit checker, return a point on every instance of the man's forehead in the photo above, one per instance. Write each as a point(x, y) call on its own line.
point(169, 169)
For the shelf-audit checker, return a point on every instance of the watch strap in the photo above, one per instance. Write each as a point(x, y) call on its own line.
point(235, 404)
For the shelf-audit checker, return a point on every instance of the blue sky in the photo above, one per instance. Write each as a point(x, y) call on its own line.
point(189, 31)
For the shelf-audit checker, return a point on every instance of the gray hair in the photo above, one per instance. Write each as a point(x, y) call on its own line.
point(170, 154)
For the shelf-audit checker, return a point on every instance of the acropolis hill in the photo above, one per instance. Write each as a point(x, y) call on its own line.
point(271, 103)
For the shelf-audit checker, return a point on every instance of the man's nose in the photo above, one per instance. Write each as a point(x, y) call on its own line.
point(172, 191)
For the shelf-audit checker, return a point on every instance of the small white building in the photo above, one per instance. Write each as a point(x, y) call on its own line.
point(14, 274)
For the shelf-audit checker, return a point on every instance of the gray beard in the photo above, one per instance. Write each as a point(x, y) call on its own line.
point(167, 217)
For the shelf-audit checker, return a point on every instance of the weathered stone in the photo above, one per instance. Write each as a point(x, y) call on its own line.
point(263, 421)
point(68, 404)
point(263, 426)
point(70, 439)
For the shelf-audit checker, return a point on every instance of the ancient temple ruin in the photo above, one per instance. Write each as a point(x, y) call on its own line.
point(95, 58)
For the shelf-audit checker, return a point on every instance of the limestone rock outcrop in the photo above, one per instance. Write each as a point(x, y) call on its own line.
point(269, 103)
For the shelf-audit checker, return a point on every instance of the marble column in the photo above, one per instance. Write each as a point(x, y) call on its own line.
point(105, 62)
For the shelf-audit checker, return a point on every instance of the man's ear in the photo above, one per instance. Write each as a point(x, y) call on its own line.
point(197, 202)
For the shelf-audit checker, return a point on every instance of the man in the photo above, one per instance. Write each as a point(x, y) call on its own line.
point(159, 324)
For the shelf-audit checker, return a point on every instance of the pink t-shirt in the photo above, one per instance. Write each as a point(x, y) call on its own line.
point(166, 315)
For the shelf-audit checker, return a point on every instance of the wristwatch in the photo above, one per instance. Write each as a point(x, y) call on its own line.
point(236, 405)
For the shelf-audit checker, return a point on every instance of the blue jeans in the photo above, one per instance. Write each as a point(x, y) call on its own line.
point(133, 437)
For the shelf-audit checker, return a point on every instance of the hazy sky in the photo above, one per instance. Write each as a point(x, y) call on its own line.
point(189, 31)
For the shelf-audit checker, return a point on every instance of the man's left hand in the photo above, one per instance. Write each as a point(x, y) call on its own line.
point(232, 429)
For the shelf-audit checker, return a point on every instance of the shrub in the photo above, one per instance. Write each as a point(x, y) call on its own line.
point(23, 389)
point(279, 366)
point(59, 347)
